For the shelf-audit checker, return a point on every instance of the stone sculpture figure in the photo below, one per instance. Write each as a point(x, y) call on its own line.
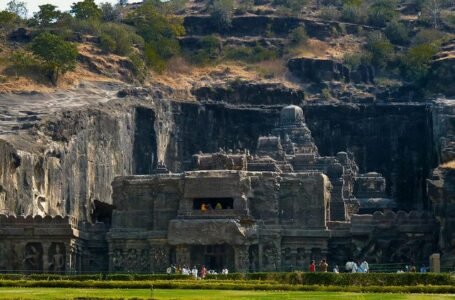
point(131, 260)
point(270, 257)
point(117, 260)
point(57, 263)
point(33, 260)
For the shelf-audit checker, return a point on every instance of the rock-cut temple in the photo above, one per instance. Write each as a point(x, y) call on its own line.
point(271, 209)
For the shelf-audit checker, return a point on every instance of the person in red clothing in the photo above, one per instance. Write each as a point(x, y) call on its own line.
point(203, 272)
point(313, 266)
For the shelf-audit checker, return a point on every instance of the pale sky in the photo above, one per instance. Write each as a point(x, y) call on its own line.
point(63, 5)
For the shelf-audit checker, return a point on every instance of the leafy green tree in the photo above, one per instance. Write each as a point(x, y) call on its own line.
point(8, 19)
point(380, 48)
point(397, 33)
point(416, 61)
point(298, 36)
point(17, 7)
point(118, 38)
point(353, 11)
point(47, 14)
point(428, 36)
point(110, 13)
point(86, 9)
point(381, 12)
point(221, 12)
point(159, 31)
point(58, 56)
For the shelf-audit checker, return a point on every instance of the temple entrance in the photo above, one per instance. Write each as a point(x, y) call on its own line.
point(214, 257)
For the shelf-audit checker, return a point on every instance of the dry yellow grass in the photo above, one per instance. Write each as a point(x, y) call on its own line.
point(34, 83)
point(448, 165)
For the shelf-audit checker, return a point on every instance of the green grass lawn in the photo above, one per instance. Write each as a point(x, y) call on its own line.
point(64, 293)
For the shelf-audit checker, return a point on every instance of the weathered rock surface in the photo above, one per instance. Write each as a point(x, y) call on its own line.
point(263, 25)
point(318, 69)
point(251, 93)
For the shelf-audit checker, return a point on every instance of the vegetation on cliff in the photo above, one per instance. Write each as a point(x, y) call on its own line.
point(397, 39)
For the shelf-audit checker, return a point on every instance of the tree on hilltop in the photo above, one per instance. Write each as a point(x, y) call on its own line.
point(58, 56)
point(86, 9)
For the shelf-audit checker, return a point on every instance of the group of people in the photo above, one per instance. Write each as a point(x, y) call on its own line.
point(350, 267)
point(205, 207)
point(357, 267)
point(413, 269)
point(195, 272)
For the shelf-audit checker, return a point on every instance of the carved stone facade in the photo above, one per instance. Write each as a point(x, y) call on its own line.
point(274, 209)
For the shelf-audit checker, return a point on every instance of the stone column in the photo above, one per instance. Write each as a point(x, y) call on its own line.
point(435, 263)
point(183, 255)
point(294, 258)
point(242, 260)
point(260, 255)
point(46, 259)
point(308, 259)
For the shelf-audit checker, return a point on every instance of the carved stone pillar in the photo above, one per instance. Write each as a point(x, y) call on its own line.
point(308, 259)
point(260, 253)
point(46, 259)
point(294, 258)
point(183, 255)
point(242, 260)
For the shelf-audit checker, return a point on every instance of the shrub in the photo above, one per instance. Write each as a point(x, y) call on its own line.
point(244, 6)
point(428, 36)
point(159, 31)
point(289, 7)
point(107, 43)
point(250, 54)
point(381, 12)
point(326, 94)
point(298, 36)
point(118, 38)
point(330, 13)
point(8, 19)
point(397, 33)
point(21, 61)
point(416, 62)
point(221, 12)
point(58, 56)
point(139, 69)
point(353, 14)
point(210, 48)
point(380, 48)
point(90, 26)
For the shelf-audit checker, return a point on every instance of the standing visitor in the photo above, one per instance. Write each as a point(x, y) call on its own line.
point(323, 266)
point(203, 272)
point(194, 272)
point(335, 269)
point(364, 267)
point(313, 266)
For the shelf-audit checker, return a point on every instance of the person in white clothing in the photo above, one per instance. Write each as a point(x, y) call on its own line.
point(225, 271)
point(194, 272)
point(364, 268)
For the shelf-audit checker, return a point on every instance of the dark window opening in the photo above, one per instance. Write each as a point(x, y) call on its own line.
point(102, 212)
point(213, 203)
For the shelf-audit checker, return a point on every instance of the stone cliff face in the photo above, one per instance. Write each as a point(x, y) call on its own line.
point(66, 162)
point(77, 154)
